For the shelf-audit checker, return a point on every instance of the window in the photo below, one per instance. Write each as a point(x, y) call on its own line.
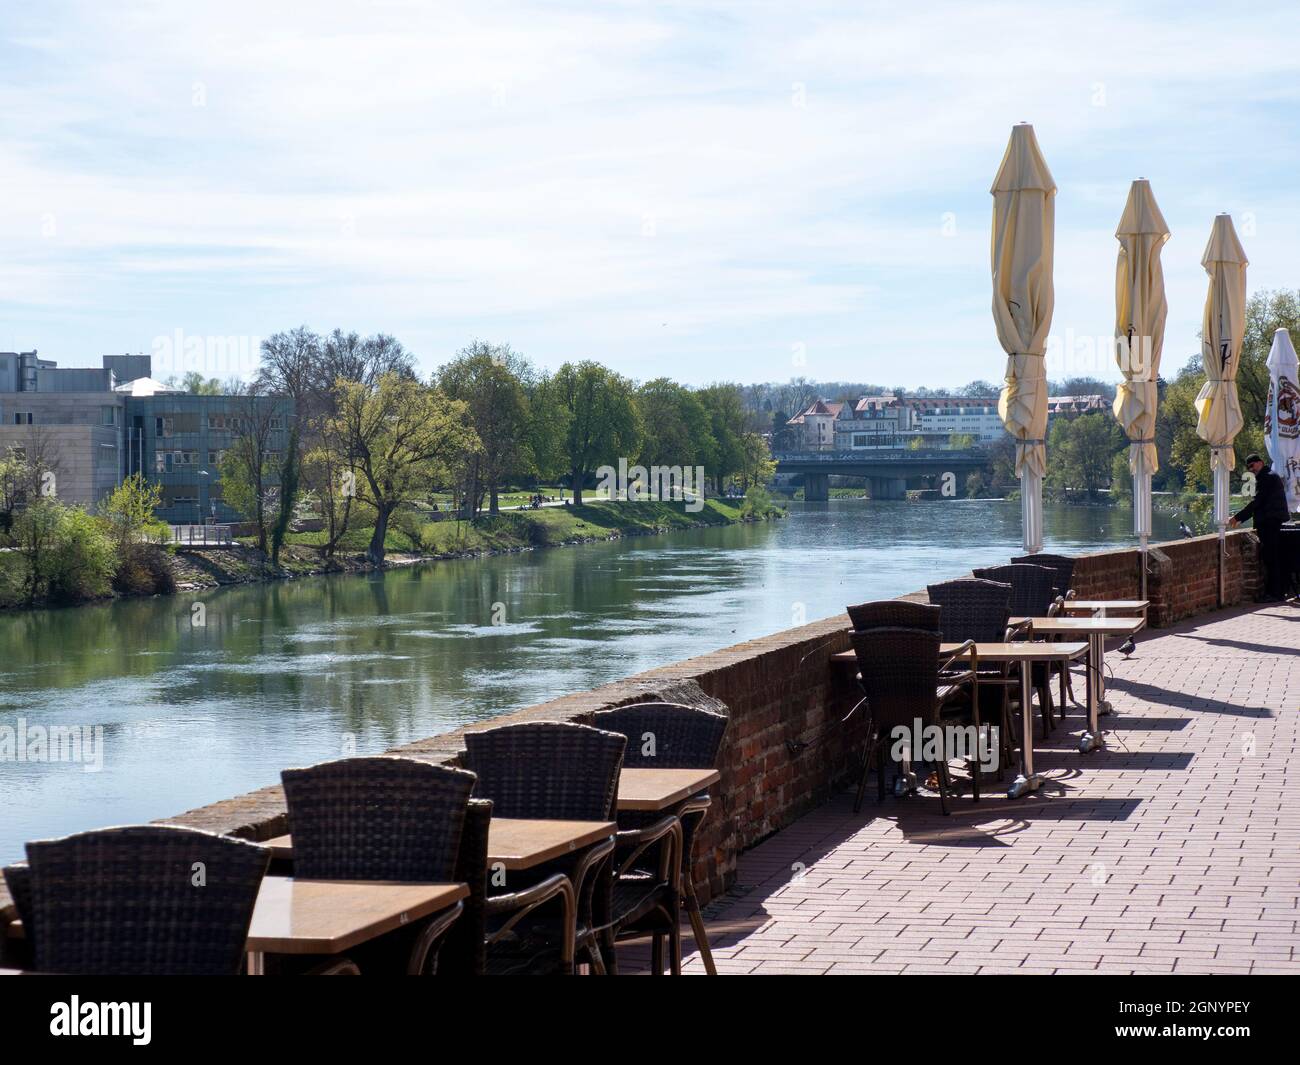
point(108, 415)
point(162, 426)
point(276, 422)
point(214, 457)
point(23, 417)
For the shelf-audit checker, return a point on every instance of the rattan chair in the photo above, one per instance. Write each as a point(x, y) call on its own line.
point(671, 736)
point(148, 900)
point(563, 771)
point(1032, 596)
point(894, 613)
point(1063, 567)
point(899, 670)
point(382, 818)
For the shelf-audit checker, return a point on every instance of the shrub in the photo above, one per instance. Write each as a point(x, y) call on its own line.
point(146, 570)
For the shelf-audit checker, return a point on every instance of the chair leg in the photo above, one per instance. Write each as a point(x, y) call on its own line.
point(1064, 671)
point(1045, 708)
point(866, 770)
point(697, 920)
point(943, 783)
point(610, 952)
point(880, 770)
point(597, 960)
point(657, 954)
point(675, 941)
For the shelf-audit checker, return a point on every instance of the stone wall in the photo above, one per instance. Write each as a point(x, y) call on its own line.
point(786, 750)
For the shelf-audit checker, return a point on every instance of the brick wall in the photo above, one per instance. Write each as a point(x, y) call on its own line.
point(785, 750)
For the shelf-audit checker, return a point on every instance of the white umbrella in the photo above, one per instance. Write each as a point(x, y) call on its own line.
point(1140, 310)
point(1282, 416)
point(1223, 327)
point(1024, 223)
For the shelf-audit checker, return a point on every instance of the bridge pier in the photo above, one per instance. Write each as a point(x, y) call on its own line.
point(816, 487)
point(888, 487)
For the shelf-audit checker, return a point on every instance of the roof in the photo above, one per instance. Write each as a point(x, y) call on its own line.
point(146, 386)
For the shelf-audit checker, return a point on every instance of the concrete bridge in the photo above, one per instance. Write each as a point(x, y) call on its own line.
point(887, 470)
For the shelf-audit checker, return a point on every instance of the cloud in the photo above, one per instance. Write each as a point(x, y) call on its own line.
point(688, 190)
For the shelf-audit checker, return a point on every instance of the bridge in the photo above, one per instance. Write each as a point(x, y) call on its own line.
point(887, 470)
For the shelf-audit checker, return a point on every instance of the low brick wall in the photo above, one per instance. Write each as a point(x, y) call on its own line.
point(786, 750)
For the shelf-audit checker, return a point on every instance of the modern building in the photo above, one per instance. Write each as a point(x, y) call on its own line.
point(98, 426)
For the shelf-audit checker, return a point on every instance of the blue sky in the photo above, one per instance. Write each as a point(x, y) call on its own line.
point(705, 191)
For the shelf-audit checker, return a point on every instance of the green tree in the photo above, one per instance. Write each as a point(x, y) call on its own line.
point(251, 463)
point(289, 477)
point(403, 438)
point(67, 554)
point(678, 428)
point(1080, 452)
point(599, 418)
point(491, 380)
point(128, 511)
point(728, 420)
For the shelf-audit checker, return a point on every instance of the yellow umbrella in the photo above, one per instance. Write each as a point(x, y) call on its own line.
point(1222, 328)
point(1140, 310)
point(1024, 221)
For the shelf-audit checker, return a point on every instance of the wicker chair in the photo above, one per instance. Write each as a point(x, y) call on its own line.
point(483, 941)
point(684, 737)
point(563, 771)
point(974, 609)
point(899, 669)
point(382, 818)
point(1063, 567)
point(148, 900)
point(894, 613)
point(1032, 596)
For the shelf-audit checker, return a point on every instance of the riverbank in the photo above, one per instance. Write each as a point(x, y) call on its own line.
point(409, 543)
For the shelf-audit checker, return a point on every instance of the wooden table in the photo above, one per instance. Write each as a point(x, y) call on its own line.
point(653, 790)
point(1105, 607)
point(1020, 653)
point(332, 916)
point(514, 843)
point(1096, 629)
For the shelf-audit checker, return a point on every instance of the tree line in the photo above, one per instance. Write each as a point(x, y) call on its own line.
point(370, 437)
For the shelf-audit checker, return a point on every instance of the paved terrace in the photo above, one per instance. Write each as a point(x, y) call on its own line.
point(1175, 850)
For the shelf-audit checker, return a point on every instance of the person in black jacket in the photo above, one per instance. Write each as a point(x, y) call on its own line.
point(1269, 510)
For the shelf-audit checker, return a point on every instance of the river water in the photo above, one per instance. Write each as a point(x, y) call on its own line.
point(287, 674)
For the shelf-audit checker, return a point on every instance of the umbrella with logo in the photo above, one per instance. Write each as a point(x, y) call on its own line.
point(1140, 310)
point(1282, 416)
point(1024, 222)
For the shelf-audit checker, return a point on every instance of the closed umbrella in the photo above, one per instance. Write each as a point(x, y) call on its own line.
point(1282, 417)
point(1140, 310)
point(1024, 221)
point(1222, 329)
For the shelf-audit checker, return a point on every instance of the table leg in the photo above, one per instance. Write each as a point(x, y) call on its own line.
point(256, 963)
point(1028, 780)
point(1092, 738)
point(1103, 704)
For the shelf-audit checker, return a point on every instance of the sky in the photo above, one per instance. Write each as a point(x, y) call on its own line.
point(704, 191)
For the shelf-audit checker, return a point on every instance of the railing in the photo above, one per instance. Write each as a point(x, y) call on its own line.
point(882, 455)
point(201, 535)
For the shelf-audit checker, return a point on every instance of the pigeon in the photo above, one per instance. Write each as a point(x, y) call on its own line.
point(1187, 533)
point(1127, 647)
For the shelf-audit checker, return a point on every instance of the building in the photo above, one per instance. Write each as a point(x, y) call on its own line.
point(98, 426)
point(940, 417)
point(1076, 405)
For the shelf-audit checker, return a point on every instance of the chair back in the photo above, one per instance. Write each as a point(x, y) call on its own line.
point(894, 613)
point(1061, 565)
point(1032, 587)
point(464, 951)
point(665, 735)
point(547, 769)
point(900, 673)
point(378, 818)
point(972, 609)
point(143, 900)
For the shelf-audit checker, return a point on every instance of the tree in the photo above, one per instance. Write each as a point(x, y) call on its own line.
point(28, 471)
point(365, 360)
point(66, 553)
point(292, 365)
point(128, 511)
point(403, 438)
point(678, 429)
point(961, 441)
point(757, 465)
point(490, 379)
point(600, 420)
point(1081, 451)
point(251, 463)
point(289, 472)
point(727, 421)
point(979, 390)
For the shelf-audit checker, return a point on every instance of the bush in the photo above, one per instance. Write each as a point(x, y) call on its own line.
point(146, 570)
point(757, 503)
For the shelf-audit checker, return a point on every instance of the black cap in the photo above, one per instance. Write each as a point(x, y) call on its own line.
point(1253, 458)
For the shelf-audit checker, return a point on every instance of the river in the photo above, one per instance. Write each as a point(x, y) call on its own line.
point(286, 674)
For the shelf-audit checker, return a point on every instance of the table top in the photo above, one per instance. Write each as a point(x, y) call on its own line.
point(1014, 651)
point(330, 916)
point(652, 790)
point(514, 843)
point(1083, 626)
point(1105, 605)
